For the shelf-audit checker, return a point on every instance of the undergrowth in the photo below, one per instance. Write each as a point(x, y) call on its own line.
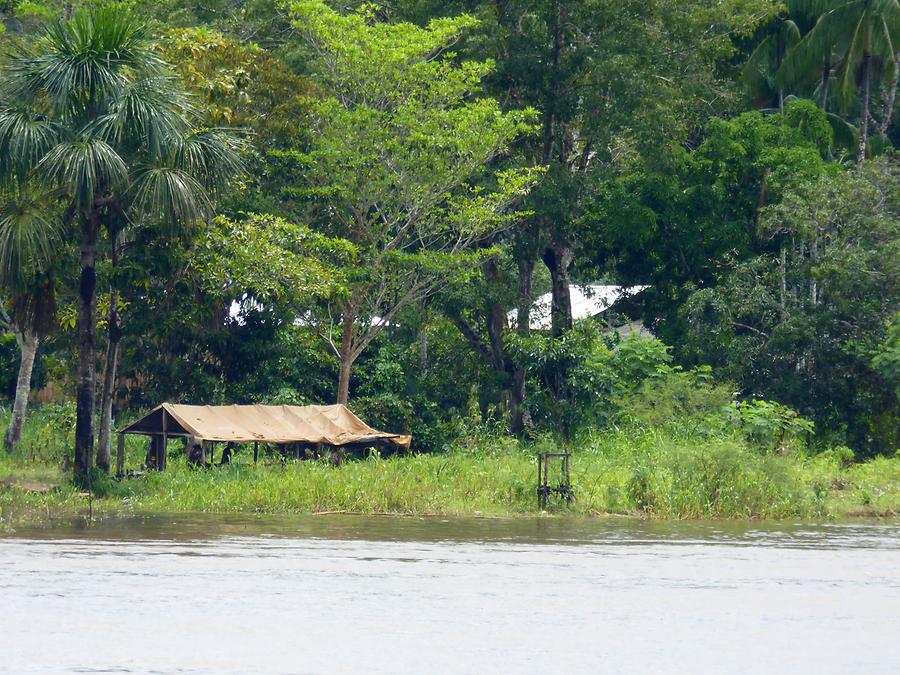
point(670, 472)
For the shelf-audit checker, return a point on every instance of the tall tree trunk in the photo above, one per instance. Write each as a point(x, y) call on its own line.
point(823, 87)
point(87, 333)
point(109, 385)
point(114, 336)
point(761, 202)
point(518, 417)
point(557, 258)
point(782, 273)
point(345, 358)
point(813, 258)
point(28, 343)
point(888, 111)
point(496, 318)
point(864, 108)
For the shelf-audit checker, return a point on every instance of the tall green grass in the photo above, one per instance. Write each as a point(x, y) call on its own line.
point(656, 473)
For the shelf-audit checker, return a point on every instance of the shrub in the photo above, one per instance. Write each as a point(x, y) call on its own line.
point(723, 479)
point(677, 396)
point(580, 377)
point(766, 424)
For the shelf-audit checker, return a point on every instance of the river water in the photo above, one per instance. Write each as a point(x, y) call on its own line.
point(343, 594)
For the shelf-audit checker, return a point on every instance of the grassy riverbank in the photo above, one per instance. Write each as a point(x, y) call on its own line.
point(651, 474)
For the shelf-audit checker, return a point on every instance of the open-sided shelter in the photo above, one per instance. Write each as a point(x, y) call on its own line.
point(331, 425)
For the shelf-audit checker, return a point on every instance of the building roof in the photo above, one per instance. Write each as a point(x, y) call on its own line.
point(329, 424)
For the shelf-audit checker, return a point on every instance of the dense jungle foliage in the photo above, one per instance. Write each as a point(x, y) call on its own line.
point(301, 201)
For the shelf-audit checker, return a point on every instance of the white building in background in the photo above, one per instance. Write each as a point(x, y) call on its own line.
point(587, 301)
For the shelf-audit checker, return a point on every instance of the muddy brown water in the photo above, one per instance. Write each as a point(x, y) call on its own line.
point(345, 594)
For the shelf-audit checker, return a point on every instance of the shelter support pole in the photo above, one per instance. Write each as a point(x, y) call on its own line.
point(120, 456)
point(255, 451)
point(161, 456)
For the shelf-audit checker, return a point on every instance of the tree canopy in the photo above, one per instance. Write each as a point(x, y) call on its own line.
point(309, 201)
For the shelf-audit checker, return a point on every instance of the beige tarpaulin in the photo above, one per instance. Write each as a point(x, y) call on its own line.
point(329, 424)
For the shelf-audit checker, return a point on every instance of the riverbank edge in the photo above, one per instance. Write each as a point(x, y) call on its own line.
point(650, 477)
point(21, 509)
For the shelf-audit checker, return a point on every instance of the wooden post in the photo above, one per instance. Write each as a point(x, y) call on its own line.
point(540, 470)
point(120, 456)
point(540, 485)
point(163, 446)
point(255, 451)
point(547, 471)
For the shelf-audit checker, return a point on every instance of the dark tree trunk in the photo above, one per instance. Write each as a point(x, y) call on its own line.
point(888, 112)
point(823, 87)
point(29, 346)
point(87, 329)
point(782, 274)
point(864, 108)
point(496, 319)
point(107, 394)
point(345, 359)
point(557, 258)
point(518, 417)
point(496, 326)
point(104, 438)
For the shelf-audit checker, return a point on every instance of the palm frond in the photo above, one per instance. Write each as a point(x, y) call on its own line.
point(829, 35)
point(212, 156)
point(25, 138)
point(812, 8)
point(171, 196)
point(884, 39)
point(85, 167)
point(845, 135)
point(84, 62)
point(148, 114)
point(853, 55)
point(28, 235)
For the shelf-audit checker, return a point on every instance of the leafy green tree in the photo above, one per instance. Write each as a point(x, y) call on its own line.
point(214, 317)
point(673, 222)
point(812, 327)
point(89, 110)
point(611, 81)
point(398, 163)
point(255, 92)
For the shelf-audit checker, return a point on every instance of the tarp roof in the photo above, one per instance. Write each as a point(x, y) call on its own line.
point(328, 424)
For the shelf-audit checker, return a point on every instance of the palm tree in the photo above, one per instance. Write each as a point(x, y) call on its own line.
point(862, 34)
point(90, 110)
point(766, 59)
point(29, 241)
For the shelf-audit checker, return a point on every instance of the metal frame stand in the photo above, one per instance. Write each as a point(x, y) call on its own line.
point(563, 488)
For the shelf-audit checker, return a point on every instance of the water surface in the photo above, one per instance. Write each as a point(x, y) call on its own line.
point(337, 594)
